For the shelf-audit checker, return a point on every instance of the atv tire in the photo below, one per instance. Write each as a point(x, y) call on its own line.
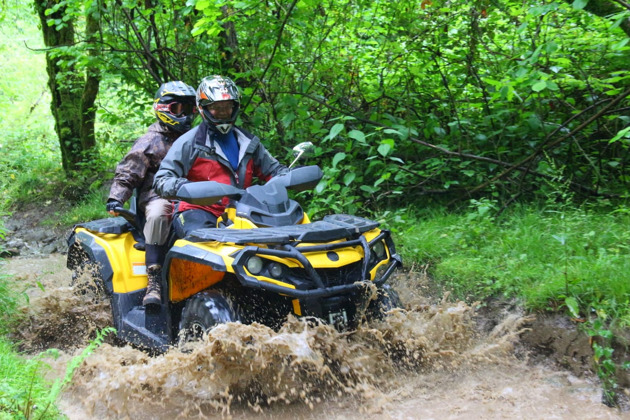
point(202, 312)
point(386, 300)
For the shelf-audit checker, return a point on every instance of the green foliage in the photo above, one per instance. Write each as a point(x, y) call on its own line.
point(9, 304)
point(91, 207)
point(606, 368)
point(575, 259)
point(24, 393)
point(9, 297)
point(490, 85)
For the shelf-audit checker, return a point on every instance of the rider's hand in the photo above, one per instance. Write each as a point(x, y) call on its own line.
point(111, 205)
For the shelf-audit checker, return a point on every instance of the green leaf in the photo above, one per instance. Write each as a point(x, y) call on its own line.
point(392, 131)
point(619, 45)
point(336, 129)
point(358, 136)
point(320, 187)
point(625, 133)
point(338, 158)
point(580, 4)
point(384, 149)
point(552, 85)
point(202, 4)
point(348, 178)
point(539, 86)
point(572, 305)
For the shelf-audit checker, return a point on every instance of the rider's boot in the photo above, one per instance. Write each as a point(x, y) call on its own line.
point(153, 295)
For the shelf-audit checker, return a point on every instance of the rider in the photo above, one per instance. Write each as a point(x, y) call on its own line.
point(174, 106)
point(216, 150)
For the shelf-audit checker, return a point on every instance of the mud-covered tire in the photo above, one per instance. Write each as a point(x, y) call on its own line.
point(202, 312)
point(386, 300)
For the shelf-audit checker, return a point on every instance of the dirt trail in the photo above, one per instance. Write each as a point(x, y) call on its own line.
point(436, 360)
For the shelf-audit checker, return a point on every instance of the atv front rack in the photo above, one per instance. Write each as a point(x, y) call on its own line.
point(283, 242)
point(331, 228)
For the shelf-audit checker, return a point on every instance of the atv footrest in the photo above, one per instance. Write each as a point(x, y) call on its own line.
point(331, 228)
point(145, 328)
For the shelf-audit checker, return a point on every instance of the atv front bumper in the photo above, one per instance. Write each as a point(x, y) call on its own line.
point(309, 282)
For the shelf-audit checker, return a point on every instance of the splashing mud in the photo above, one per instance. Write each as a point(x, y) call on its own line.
point(430, 360)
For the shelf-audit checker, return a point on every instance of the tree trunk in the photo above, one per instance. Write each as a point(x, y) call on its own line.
point(228, 43)
point(90, 89)
point(73, 95)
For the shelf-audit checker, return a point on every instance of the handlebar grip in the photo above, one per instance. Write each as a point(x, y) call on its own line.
point(126, 214)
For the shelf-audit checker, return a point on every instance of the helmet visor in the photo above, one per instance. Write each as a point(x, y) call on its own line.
point(177, 108)
point(220, 110)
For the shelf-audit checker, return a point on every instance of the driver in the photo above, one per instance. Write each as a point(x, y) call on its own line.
point(216, 150)
point(174, 106)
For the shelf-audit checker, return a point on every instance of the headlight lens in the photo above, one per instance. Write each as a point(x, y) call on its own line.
point(379, 250)
point(275, 270)
point(254, 265)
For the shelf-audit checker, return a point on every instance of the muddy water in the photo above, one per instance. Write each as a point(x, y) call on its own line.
point(428, 362)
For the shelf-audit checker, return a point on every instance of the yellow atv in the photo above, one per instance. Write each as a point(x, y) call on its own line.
point(264, 260)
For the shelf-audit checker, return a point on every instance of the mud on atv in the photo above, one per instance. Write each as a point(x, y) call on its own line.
point(264, 260)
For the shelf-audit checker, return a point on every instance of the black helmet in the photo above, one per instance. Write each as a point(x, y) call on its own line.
point(216, 89)
point(174, 105)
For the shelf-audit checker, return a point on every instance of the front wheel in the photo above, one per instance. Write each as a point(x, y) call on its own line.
point(386, 300)
point(202, 312)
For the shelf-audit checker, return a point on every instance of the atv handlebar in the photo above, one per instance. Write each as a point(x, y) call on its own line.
point(299, 179)
point(128, 215)
point(206, 193)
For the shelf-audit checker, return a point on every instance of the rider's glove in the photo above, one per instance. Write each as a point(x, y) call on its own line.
point(112, 204)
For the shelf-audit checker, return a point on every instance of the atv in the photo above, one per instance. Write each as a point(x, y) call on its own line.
point(264, 260)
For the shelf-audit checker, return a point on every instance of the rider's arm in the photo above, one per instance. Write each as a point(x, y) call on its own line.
point(131, 171)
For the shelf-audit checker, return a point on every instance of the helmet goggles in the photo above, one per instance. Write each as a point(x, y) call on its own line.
point(176, 108)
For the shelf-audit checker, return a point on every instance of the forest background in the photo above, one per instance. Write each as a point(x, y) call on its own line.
point(492, 136)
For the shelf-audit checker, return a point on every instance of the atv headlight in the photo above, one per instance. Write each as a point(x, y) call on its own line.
point(254, 265)
point(379, 250)
point(275, 270)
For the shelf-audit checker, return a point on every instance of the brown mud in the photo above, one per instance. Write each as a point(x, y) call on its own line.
point(437, 359)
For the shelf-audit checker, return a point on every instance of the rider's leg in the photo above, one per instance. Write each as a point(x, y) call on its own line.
point(156, 229)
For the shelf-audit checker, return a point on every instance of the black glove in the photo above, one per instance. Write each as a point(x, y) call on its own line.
point(112, 204)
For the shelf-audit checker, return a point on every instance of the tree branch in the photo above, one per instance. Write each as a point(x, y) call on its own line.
point(147, 50)
point(275, 47)
point(552, 144)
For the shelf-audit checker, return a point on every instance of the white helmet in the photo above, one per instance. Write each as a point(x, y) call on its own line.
point(215, 89)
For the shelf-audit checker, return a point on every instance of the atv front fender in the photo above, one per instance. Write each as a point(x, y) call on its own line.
point(82, 240)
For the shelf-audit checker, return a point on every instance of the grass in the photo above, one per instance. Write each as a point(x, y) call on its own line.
point(24, 393)
point(538, 255)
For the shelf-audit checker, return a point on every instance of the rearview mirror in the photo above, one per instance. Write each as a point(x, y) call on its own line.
point(302, 150)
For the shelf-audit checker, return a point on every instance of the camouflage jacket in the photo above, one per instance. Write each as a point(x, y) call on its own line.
point(138, 167)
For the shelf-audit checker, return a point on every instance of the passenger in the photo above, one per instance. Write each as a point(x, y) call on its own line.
point(174, 106)
point(216, 150)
